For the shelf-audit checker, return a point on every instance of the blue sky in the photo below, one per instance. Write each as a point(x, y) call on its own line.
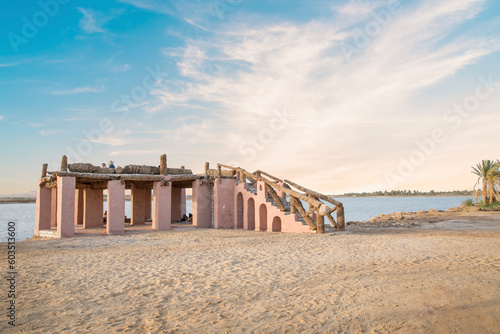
point(336, 95)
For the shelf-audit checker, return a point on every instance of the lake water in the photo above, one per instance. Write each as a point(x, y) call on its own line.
point(355, 209)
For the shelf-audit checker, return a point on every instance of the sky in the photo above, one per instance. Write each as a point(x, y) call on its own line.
point(338, 96)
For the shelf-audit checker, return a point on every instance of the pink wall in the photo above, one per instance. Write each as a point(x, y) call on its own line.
point(138, 203)
point(53, 208)
point(43, 204)
point(66, 207)
point(116, 208)
point(183, 202)
point(79, 206)
point(176, 204)
point(162, 201)
point(259, 214)
point(202, 204)
point(147, 206)
point(92, 212)
point(224, 198)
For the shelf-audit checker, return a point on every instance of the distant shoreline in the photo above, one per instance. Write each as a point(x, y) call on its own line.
point(394, 196)
point(10, 200)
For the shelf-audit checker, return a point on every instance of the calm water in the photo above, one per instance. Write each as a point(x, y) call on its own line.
point(355, 209)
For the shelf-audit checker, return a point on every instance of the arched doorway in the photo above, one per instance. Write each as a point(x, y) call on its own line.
point(276, 227)
point(239, 211)
point(263, 217)
point(251, 214)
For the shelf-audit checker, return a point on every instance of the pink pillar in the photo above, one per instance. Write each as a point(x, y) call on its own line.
point(116, 208)
point(138, 206)
point(43, 204)
point(162, 201)
point(176, 204)
point(92, 213)
point(202, 205)
point(183, 202)
point(148, 204)
point(79, 206)
point(53, 209)
point(66, 206)
point(224, 203)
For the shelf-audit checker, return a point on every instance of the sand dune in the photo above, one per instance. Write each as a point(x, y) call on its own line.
point(218, 281)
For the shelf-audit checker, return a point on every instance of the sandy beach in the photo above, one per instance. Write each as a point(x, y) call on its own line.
point(443, 279)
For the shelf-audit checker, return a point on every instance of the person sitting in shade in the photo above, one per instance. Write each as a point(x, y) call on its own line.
point(111, 164)
point(103, 165)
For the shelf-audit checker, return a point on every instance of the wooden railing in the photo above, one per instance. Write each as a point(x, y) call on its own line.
point(313, 198)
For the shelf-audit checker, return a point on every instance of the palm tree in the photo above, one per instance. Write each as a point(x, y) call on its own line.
point(489, 173)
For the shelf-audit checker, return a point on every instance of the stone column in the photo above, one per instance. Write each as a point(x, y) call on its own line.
point(53, 209)
point(92, 213)
point(202, 205)
point(79, 206)
point(138, 203)
point(224, 203)
point(66, 207)
point(116, 208)
point(176, 204)
point(43, 207)
point(147, 206)
point(162, 201)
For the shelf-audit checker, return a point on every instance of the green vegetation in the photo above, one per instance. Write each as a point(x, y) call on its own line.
point(488, 183)
point(399, 193)
point(468, 202)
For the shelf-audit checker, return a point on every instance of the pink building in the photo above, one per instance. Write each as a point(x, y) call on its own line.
point(71, 200)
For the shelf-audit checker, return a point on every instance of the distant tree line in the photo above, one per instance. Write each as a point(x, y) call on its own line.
point(408, 193)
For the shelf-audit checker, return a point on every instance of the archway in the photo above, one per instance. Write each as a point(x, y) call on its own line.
point(239, 211)
point(276, 227)
point(263, 217)
point(251, 214)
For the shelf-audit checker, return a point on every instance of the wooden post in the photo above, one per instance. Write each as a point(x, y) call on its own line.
point(340, 217)
point(44, 170)
point(64, 164)
point(207, 168)
point(330, 218)
point(320, 223)
point(219, 172)
point(163, 164)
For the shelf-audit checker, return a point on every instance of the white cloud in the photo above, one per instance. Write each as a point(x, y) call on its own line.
point(80, 90)
point(342, 115)
point(2, 117)
point(92, 21)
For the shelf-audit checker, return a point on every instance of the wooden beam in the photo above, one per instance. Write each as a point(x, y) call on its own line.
point(313, 193)
point(44, 170)
point(320, 223)
point(298, 204)
point(340, 218)
point(163, 164)
point(330, 218)
point(64, 163)
point(274, 195)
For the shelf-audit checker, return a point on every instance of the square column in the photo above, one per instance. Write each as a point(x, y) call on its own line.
point(92, 213)
point(79, 207)
point(43, 204)
point(202, 205)
point(66, 207)
point(176, 204)
point(53, 209)
point(162, 201)
point(147, 205)
point(138, 201)
point(183, 202)
point(224, 203)
point(115, 223)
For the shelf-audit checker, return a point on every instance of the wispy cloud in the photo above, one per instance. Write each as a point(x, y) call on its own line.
point(1, 117)
point(251, 74)
point(80, 90)
point(93, 21)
